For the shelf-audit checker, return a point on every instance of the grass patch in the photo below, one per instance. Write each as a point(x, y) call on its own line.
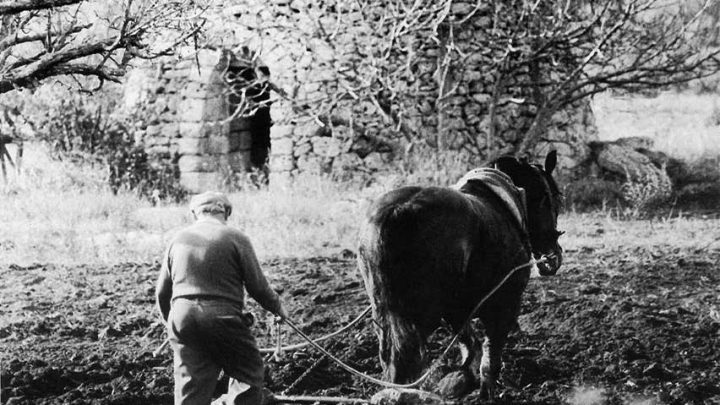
point(83, 222)
point(61, 213)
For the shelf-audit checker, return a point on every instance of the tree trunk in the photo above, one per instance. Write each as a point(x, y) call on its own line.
point(537, 129)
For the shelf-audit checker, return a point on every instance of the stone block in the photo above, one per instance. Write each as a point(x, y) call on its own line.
point(472, 76)
point(312, 164)
point(210, 58)
point(213, 145)
point(454, 385)
point(510, 135)
point(215, 109)
point(169, 130)
point(453, 123)
point(636, 142)
point(198, 182)
point(282, 146)
point(347, 162)
point(152, 131)
point(456, 100)
point(482, 22)
point(191, 129)
point(302, 149)
point(377, 160)
point(191, 109)
point(190, 146)
point(281, 131)
point(343, 132)
point(326, 146)
point(179, 72)
point(194, 90)
point(482, 98)
point(472, 109)
point(195, 163)
point(158, 141)
point(202, 129)
point(159, 151)
point(205, 74)
point(309, 129)
point(281, 163)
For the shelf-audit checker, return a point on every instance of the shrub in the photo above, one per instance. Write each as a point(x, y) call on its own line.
point(82, 129)
point(646, 194)
point(589, 193)
point(697, 184)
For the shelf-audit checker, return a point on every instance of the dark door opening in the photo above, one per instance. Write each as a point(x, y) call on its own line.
point(249, 100)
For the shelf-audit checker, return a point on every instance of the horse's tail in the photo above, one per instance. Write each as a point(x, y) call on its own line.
point(381, 260)
point(390, 225)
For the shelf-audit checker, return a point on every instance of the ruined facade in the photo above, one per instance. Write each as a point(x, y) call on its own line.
point(188, 110)
point(186, 118)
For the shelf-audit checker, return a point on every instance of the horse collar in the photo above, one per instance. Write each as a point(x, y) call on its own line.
point(503, 187)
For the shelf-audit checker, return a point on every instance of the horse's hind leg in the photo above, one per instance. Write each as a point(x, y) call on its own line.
point(470, 348)
point(498, 322)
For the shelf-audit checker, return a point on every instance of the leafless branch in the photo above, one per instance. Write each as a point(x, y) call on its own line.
point(71, 48)
point(18, 6)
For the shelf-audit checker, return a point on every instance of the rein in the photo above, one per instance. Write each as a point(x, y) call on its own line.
point(360, 374)
point(290, 347)
point(454, 340)
point(321, 338)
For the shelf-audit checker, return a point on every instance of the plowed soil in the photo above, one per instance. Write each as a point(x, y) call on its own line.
point(618, 327)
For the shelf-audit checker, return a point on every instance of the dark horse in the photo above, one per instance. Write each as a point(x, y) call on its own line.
point(432, 253)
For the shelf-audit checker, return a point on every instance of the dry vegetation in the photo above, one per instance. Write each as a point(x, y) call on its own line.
point(58, 212)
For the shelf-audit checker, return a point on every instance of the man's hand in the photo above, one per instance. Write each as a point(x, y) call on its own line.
point(281, 313)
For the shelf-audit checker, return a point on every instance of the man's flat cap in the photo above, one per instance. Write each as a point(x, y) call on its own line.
point(210, 201)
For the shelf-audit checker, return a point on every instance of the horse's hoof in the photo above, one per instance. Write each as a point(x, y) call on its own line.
point(487, 389)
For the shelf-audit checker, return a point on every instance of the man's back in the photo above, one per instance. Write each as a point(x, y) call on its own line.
point(208, 259)
point(200, 292)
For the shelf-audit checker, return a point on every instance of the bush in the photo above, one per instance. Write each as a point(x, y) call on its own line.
point(590, 193)
point(646, 195)
point(82, 129)
point(697, 184)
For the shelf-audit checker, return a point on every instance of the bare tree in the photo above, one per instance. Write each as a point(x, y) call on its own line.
point(567, 51)
point(40, 39)
point(542, 54)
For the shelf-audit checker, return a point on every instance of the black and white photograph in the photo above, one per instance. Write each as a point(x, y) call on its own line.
point(385, 202)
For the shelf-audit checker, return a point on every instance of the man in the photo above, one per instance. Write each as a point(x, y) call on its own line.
point(200, 295)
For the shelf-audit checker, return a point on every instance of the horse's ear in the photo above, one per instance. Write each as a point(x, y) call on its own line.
point(551, 161)
point(507, 164)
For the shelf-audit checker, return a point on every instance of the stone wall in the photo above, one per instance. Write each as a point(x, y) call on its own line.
point(318, 125)
point(185, 118)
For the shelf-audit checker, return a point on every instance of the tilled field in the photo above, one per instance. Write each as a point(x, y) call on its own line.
point(620, 327)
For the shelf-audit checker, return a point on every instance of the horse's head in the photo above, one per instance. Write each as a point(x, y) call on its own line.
point(543, 201)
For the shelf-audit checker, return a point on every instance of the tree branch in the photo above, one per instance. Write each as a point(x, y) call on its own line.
point(18, 6)
point(15, 40)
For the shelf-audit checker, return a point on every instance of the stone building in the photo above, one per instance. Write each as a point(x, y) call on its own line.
point(187, 117)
